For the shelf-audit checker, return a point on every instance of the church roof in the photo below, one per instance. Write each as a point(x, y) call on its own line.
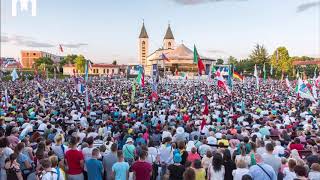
point(169, 34)
point(143, 33)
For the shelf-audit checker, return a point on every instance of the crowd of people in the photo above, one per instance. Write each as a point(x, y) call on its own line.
point(51, 131)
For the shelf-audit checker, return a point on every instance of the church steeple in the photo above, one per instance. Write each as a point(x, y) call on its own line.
point(168, 34)
point(168, 40)
point(143, 32)
point(143, 46)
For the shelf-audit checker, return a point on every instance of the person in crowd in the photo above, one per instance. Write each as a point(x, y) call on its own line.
point(74, 160)
point(199, 170)
point(26, 164)
point(189, 174)
point(129, 151)
point(5, 152)
point(243, 155)
point(142, 169)
point(55, 164)
point(176, 169)
point(240, 171)
point(301, 172)
point(271, 159)
point(12, 168)
point(48, 173)
point(206, 160)
point(288, 172)
point(193, 155)
point(314, 174)
point(262, 171)
point(120, 169)
point(94, 166)
point(216, 170)
point(228, 164)
point(109, 160)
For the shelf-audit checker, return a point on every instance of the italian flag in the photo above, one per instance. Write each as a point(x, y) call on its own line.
point(197, 59)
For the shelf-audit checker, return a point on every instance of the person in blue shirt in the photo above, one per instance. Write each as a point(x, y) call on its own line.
point(262, 171)
point(120, 169)
point(94, 166)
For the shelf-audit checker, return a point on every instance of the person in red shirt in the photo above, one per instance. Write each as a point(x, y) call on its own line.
point(75, 161)
point(296, 145)
point(142, 170)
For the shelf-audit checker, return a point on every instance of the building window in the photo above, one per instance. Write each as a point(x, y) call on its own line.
point(34, 54)
point(169, 45)
point(104, 71)
point(97, 71)
point(112, 71)
point(107, 71)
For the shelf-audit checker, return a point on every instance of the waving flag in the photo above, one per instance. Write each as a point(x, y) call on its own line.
point(237, 75)
point(87, 102)
point(14, 74)
point(197, 59)
point(255, 74)
point(264, 72)
point(60, 48)
point(140, 77)
point(133, 92)
point(222, 84)
point(271, 70)
point(164, 57)
point(288, 84)
point(303, 91)
point(86, 70)
point(6, 98)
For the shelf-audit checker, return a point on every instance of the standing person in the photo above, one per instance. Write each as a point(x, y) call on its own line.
point(271, 159)
point(199, 170)
point(240, 171)
point(12, 168)
point(48, 172)
point(75, 161)
point(262, 171)
point(216, 170)
point(5, 152)
point(166, 151)
point(109, 160)
point(128, 151)
point(176, 170)
point(288, 172)
point(142, 170)
point(193, 155)
point(94, 166)
point(55, 164)
point(120, 169)
point(189, 174)
point(228, 164)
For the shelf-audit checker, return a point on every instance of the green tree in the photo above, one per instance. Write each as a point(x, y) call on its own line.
point(114, 62)
point(259, 55)
point(68, 59)
point(232, 60)
point(43, 63)
point(281, 61)
point(219, 61)
point(80, 62)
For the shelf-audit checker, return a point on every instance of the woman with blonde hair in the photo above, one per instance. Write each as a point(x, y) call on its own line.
point(55, 164)
point(59, 148)
point(241, 170)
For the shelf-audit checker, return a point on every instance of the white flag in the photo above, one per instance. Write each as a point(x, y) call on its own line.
point(14, 74)
point(255, 74)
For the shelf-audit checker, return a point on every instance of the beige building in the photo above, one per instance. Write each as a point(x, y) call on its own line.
point(97, 69)
point(179, 55)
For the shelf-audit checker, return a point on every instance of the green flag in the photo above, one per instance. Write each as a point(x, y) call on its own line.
point(133, 93)
point(195, 55)
point(213, 70)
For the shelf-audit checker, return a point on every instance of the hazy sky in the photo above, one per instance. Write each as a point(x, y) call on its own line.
point(103, 30)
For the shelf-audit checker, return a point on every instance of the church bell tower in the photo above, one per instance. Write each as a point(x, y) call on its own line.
point(143, 46)
point(168, 40)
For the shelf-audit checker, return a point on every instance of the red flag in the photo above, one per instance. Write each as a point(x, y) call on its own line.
point(206, 109)
point(142, 79)
point(200, 66)
point(60, 47)
point(203, 123)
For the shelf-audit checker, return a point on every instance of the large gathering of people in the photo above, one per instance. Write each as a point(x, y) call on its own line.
point(51, 131)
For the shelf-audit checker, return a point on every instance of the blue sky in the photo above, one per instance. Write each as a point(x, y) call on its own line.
point(104, 30)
